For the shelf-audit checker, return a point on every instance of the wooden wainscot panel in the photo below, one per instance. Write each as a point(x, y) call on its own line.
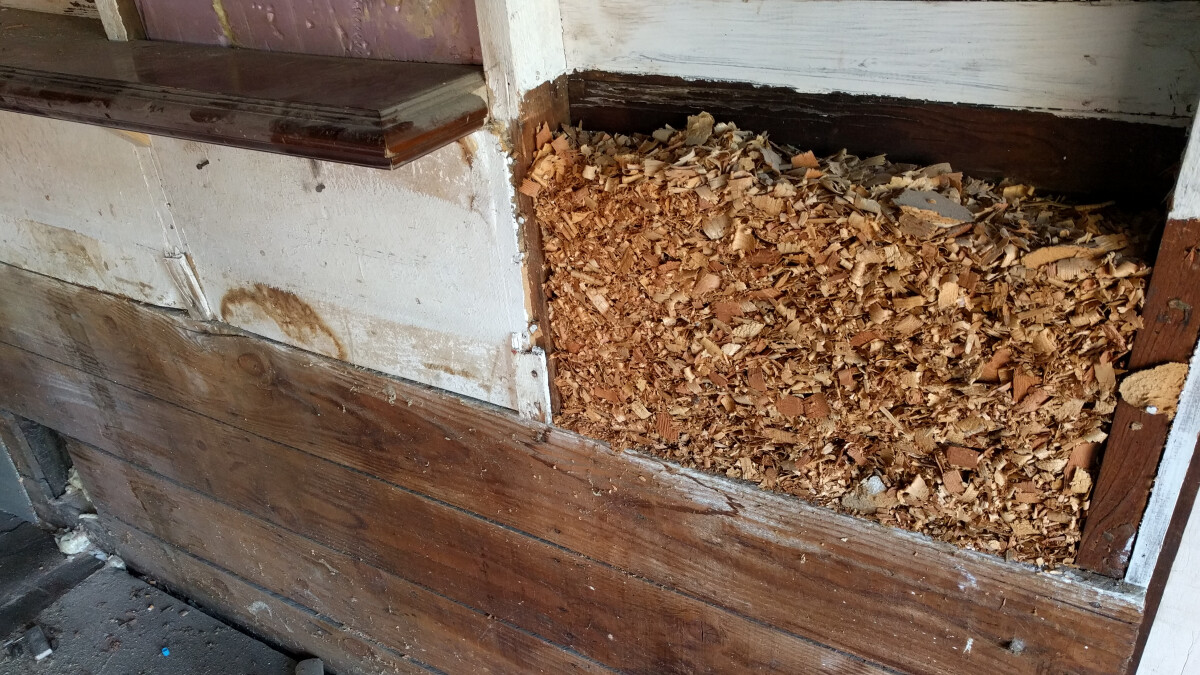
point(434, 629)
point(404, 540)
point(749, 570)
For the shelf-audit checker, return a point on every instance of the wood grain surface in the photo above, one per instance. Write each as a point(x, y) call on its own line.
point(341, 453)
point(1055, 154)
point(374, 113)
point(1136, 444)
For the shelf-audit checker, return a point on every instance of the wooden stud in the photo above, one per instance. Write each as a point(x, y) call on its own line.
point(1131, 459)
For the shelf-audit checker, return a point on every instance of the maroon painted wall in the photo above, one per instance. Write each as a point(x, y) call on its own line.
point(441, 31)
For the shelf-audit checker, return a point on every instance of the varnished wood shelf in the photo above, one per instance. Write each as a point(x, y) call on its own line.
point(358, 111)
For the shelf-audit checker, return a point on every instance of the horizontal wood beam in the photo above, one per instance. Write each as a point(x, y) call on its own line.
point(1112, 58)
point(129, 378)
point(359, 111)
point(1055, 154)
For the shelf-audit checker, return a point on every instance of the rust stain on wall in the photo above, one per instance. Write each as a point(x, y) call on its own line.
point(295, 318)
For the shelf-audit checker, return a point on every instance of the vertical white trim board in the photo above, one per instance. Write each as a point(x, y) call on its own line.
point(1181, 441)
point(1122, 58)
point(1186, 204)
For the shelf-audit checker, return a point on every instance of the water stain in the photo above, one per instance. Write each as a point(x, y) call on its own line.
point(295, 318)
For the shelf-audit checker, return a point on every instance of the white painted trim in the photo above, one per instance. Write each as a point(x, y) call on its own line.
point(1187, 189)
point(1070, 57)
point(1173, 647)
point(522, 48)
point(1177, 455)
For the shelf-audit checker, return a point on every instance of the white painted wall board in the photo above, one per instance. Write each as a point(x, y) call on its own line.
point(413, 272)
point(522, 42)
point(409, 271)
point(1186, 202)
point(1119, 57)
point(1173, 647)
point(76, 203)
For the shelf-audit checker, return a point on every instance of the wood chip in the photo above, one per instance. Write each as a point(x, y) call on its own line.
point(1157, 389)
point(963, 458)
point(838, 328)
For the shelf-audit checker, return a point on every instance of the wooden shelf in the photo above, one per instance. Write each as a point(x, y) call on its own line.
point(358, 111)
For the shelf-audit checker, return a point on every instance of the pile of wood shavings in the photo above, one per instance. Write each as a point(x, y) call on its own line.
point(936, 352)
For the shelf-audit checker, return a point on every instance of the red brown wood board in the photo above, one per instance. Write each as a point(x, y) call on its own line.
point(359, 111)
point(434, 629)
point(865, 590)
point(1136, 445)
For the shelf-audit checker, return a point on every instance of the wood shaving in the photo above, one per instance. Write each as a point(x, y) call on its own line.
point(1156, 389)
point(754, 310)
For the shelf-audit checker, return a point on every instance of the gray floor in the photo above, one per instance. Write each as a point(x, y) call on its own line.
point(111, 623)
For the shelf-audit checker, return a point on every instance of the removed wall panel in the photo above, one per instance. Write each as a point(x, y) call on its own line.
point(1128, 58)
point(882, 596)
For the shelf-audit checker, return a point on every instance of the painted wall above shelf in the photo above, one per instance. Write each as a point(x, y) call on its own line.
point(358, 111)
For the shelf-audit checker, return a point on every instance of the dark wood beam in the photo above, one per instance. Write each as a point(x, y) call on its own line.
point(1134, 162)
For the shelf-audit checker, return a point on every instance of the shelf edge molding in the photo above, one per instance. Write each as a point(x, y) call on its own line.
point(367, 112)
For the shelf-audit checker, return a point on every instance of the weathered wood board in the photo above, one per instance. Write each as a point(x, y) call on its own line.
point(735, 562)
point(1121, 58)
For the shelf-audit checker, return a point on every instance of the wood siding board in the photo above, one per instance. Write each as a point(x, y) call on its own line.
point(1072, 57)
point(373, 113)
point(540, 587)
point(1069, 155)
point(757, 553)
point(434, 629)
point(254, 609)
point(1131, 458)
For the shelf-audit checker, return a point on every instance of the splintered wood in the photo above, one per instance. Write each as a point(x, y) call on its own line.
point(935, 352)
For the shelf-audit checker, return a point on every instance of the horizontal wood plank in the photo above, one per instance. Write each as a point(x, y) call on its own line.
point(628, 623)
point(433, 629)
point(881, 594)
point(1073, 57)
point(252, 608)
point(1059, 154)
point(373, 113)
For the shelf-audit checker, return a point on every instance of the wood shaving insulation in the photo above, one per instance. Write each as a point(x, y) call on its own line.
point(934, 352)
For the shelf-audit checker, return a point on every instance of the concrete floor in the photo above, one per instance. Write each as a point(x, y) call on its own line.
point(111, 623)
